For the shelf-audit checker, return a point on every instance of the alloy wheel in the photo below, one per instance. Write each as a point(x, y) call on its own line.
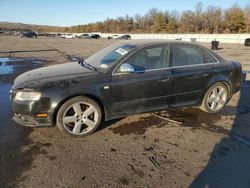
point(217, 98)
point(80, 118)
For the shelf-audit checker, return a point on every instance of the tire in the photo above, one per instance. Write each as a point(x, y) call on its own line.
point(215, 98)
point(79, 116)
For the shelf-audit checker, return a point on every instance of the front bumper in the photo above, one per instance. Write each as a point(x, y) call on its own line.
point(30, 121)
point(26, 113)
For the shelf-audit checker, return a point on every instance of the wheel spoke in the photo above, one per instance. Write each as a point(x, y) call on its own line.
point(77, 127)
point(89, 111)
point(69, 119)
point(89, 122)
point(221, 102)
point(210, 99)
point(214, 92)
point(213, 106)
point(77, 108)
point(221, 92)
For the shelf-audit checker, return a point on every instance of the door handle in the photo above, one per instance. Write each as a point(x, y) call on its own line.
point(198, 76)
point(165, 79)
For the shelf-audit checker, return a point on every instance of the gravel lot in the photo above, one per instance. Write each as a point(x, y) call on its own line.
point(138, 151)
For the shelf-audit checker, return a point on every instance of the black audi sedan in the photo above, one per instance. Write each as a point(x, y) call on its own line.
point(125, 78)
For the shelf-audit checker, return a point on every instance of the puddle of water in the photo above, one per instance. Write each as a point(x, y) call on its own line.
point(9, 69)
point(8, 65)
point(4, 67)
point(4, 102)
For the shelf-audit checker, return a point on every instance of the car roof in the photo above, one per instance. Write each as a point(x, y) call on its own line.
point(145, 42)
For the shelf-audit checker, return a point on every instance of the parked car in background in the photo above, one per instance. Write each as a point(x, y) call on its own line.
point(84, 36)
point(125, 37)
point(114, 37)
point(122, 79)
point(41, 34)
point(29, 34)
point(68, 36)
point(95, 36)
point(247, 42)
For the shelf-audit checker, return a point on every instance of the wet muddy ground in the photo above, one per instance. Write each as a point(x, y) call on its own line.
point(174, 148)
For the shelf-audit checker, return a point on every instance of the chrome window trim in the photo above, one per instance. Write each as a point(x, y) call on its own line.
point(217, 61)
point(151, 70)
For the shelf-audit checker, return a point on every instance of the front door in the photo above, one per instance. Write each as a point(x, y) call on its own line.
point(148, 88)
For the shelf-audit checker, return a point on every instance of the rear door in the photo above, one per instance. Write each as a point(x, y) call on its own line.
point(191, 73)
point(149, 87)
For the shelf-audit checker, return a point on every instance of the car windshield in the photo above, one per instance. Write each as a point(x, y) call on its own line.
point(105, 58)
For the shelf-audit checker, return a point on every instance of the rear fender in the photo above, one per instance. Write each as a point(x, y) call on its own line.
point(218, 78)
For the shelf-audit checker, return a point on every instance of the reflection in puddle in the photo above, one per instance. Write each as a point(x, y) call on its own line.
point(4, 102)
point(8, 65)
point(4, 67)
point(9, 69)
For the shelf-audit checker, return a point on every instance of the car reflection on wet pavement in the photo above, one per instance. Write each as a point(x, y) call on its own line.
point(9, 69)
point(4, 102)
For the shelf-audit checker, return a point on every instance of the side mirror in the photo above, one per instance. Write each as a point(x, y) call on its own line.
point(127, 68)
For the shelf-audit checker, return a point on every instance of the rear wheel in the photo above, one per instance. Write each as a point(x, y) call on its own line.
point(79, 116)
point(215, 98)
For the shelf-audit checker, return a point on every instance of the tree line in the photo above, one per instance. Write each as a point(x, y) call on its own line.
point(209, 20)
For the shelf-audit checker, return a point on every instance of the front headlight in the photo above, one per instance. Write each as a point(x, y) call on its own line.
point(27, 96)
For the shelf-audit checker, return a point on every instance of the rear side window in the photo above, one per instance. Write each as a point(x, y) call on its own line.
point(208, 58)
point(184, 55)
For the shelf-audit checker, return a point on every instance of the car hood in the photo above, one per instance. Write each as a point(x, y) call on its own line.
point(48, 73)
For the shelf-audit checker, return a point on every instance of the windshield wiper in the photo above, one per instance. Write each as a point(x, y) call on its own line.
point(86, 65)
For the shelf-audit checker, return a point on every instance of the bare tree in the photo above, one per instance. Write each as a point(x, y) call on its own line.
point(187, 22)
point(247, 17)
point(198, 17)
point(172, 24)
point(234, 19)
point(212, 19)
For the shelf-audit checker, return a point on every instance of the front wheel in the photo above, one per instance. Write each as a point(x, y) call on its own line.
point(79, 116)
point(215, 98)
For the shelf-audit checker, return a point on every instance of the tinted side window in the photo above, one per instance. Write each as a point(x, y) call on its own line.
point(150, 58)
point(208, 58)
point(184, 55)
